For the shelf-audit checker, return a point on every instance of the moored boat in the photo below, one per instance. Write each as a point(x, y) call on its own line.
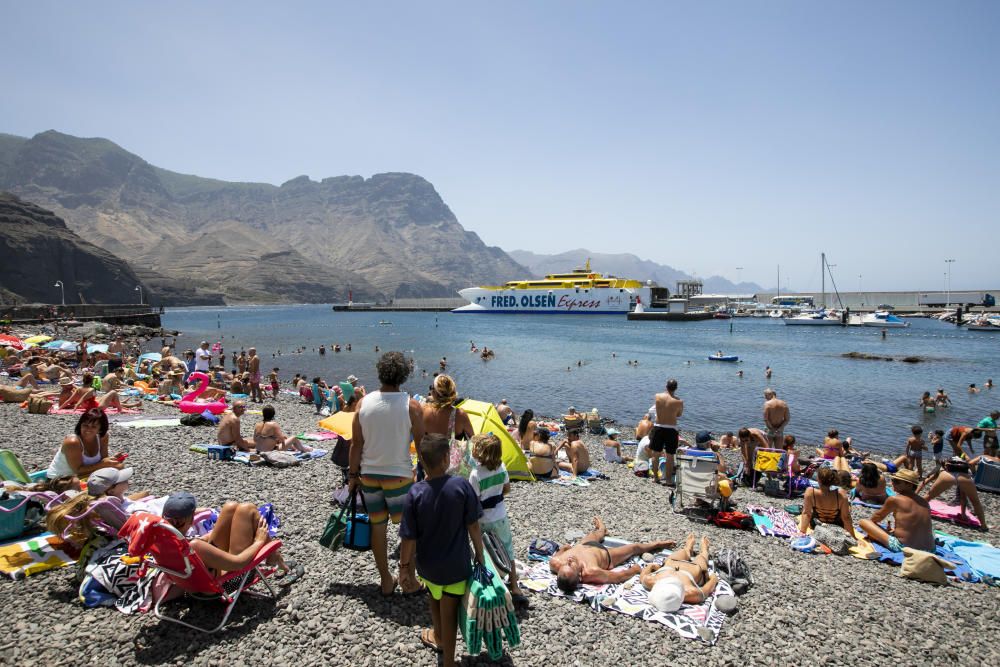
point(883, 319)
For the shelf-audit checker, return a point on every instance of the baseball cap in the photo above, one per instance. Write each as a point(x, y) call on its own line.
point(179, 505)
point(101, 480)
point(703, 438)
point(667, 594)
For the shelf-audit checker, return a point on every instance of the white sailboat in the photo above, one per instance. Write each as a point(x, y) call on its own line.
point(821, 317)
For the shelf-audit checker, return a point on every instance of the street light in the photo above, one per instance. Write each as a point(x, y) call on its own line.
point(948, 263)
point(739, 274)
point(138, 288)
point(62, 289)
point(860, 293)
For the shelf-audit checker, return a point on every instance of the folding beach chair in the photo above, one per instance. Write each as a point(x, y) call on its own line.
point(766, 461)
point(697, 492)
point(988, 476)
point(150, 536)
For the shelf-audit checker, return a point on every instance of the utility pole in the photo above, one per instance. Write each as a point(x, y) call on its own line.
point(948, 263)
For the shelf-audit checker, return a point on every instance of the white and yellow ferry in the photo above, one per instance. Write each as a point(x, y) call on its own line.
point(579, 291)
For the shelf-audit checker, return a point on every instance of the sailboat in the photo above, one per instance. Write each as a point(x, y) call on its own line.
point(821, 317)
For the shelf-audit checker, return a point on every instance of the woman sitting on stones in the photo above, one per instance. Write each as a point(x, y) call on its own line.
point(825, 505)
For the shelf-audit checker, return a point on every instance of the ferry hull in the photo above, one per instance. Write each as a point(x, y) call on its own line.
point(603, 301)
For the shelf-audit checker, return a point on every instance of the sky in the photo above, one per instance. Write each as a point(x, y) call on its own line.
point(704, 135)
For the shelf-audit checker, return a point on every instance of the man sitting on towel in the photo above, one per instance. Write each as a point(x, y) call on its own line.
point(590, 562)
point(912, 514)
point(680, 578)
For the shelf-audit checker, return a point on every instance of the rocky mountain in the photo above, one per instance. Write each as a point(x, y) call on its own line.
point(38, 249)
point(625, 265)
point(387, 236)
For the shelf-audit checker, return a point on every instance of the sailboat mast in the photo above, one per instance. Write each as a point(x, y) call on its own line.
point(822, 272)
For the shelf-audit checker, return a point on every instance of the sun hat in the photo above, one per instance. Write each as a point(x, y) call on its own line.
point(905, 475)
point(667, 594)
point(179, 505)
point(352, 378)
point(65, 381)
point(101, 480)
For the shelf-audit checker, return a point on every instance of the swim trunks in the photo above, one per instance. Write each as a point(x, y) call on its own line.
point(777, 435)
point(663, 438)
point(255, 378)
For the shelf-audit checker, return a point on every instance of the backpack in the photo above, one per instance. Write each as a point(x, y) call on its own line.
point(280, 459)
point(733, 520)
point(732, 566)
point(195, 420)
point(772, 487)
point(38, 405)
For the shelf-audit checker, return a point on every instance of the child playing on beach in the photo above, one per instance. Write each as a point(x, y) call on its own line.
point(915, 450)
point(490, 480)
point(273, 380)
point(440, 514)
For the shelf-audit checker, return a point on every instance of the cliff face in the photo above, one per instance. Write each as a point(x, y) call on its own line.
point(385, 236)
point(38, 250)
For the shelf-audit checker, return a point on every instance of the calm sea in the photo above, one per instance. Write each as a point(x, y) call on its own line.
point(537, 356)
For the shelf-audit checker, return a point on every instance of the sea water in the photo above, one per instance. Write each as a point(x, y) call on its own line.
point(550, 362)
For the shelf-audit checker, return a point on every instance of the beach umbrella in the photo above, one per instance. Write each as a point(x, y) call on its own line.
point(97, 347)
point(11, 341)
point(41, 338)
point(54, 345)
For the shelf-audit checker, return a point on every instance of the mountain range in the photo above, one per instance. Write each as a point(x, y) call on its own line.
point(625, 265)
point(387, 236)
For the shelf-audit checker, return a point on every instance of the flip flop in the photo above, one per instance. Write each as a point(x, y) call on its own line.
point(519, 599)
point(425, 635)
point(293, 574)
point(391, 591)
point(413, 594)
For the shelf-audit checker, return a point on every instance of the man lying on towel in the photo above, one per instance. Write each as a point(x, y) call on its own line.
point(680, 578)
point(590, 562)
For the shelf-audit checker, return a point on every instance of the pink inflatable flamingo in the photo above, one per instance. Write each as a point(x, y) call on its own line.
point(190, 405)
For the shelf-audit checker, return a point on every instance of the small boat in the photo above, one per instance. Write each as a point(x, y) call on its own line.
point(984, 324)
point(384, 323)
point(723, 315)
point(816, 318)
point(724, 357)
point(883, 319)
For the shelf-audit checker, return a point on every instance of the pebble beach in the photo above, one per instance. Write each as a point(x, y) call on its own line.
point(802, 608)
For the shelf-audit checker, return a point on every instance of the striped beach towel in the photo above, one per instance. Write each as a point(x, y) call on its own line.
point(23, 558)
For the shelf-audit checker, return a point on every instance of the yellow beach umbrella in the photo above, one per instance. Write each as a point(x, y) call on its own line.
point(38, 339)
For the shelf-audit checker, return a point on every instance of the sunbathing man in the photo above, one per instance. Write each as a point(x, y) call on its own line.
point(912, 515)
point(681, 578)
point(229, 434)
point(577, 452)
point(590, 562)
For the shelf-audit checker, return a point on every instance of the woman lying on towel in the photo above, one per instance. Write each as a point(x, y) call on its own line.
point(238, 534)
point(826, 505)
point(680, 579)
point(871, 484)
point(85, 397)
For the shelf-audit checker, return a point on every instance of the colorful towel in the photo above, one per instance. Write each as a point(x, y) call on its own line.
point(962, 571)
point(857, 501)
point(630, 598)
point(566, 479)
point(773, 522)
point(23, 558)
point(80, 411)
point(319, 436)
point(953, 513)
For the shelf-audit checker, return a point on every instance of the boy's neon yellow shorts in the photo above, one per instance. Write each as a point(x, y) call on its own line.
point(456, 589)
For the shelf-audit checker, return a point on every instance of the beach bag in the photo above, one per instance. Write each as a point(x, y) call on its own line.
point(733, 520)
point(459, 459)
point(280, 459)
point(772, 487)
point(347, 528)
point(835, 538)
point(734, 567)
point(924, 566)
point(38, 405)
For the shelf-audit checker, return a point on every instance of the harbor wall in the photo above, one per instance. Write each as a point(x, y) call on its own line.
point(112, 314)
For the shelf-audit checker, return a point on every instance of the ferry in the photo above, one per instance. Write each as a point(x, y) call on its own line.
point(576, 292)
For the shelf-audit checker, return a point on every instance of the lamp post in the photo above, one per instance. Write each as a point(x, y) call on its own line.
point(138, 288)
point(860, 293)
point(62, 289)
point(739, 274)
point(948, 263)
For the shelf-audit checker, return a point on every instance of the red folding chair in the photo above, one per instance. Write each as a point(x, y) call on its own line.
point(150, 536)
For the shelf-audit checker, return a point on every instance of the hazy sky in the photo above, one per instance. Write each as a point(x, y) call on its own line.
point(704, 135)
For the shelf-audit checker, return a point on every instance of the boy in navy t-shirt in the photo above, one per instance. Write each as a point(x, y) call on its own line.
point(440, 514)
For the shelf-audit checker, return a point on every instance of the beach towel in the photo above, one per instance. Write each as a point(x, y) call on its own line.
point(961, 572)
point(80, 411)
point(982, 557)
point(953, 513)
point(701, 621)
point(863, 503)
point(319, 436)
point(23, 558)
point(150, 423)
point(566, 479)
point(773, 522)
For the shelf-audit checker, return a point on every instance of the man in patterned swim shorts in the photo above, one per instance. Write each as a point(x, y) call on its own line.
point(380, 463)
